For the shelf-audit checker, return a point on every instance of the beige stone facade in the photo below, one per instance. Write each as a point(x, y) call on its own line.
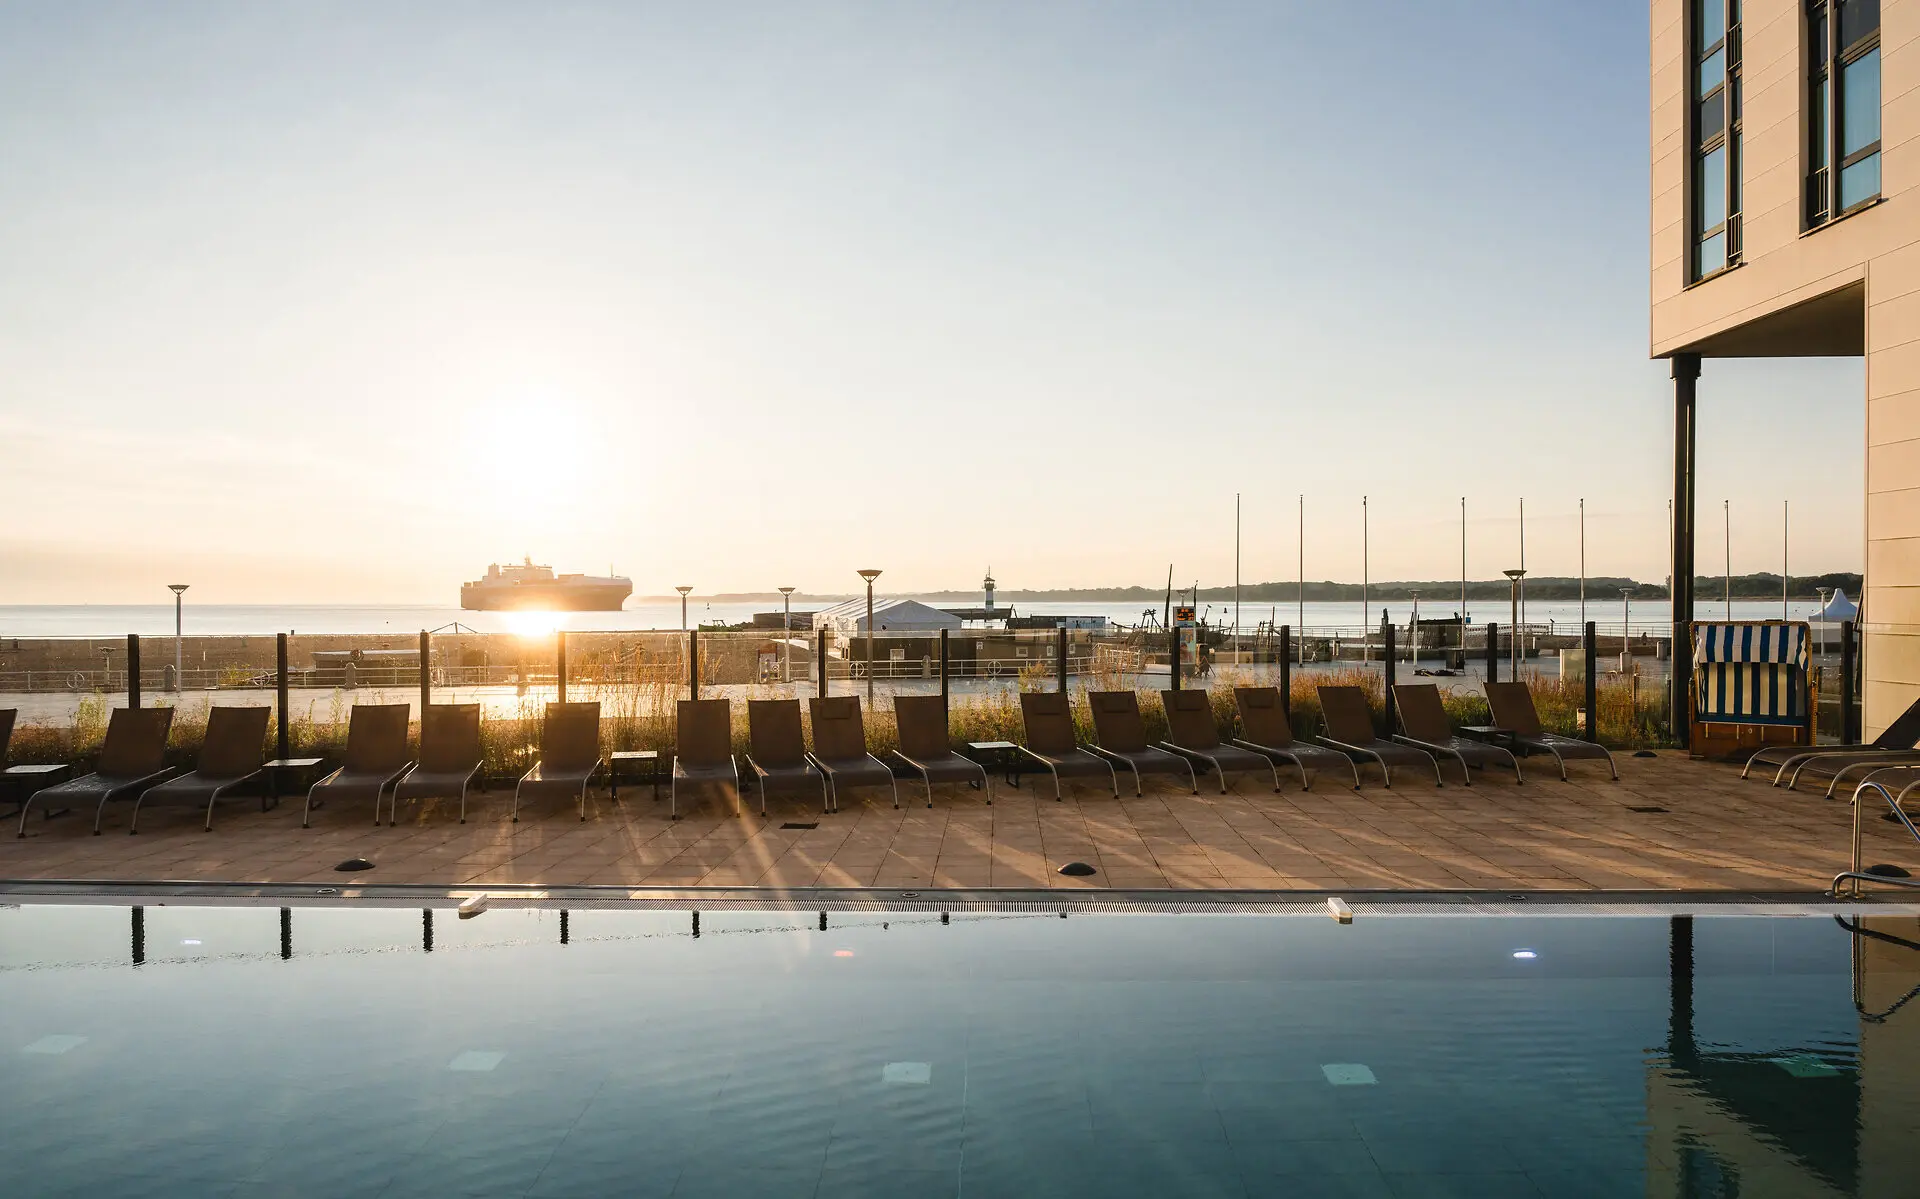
point(1849, 286)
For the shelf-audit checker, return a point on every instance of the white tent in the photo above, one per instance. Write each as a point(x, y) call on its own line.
point(889, 616)
point(1839, 608)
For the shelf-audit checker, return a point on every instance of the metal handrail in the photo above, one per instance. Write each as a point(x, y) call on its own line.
point(1857, 875)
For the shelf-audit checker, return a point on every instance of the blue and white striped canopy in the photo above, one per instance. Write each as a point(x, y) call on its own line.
point(1750, 673)
point(1768, 641)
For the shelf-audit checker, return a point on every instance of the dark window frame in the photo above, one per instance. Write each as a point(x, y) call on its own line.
point(1726, 93)
point(1827, 61)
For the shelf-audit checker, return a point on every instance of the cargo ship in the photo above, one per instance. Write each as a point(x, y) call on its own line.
point(528, 585)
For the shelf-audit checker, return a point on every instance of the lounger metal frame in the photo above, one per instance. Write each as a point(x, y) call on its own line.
point(135, 786)
point(1047, 764)
point(926, 776)
point(762, 773)
point(392, 780)
point(213, 797)
point(1386, 771)
point(1118, 759)
point(1280, 754)
point(1195, 756)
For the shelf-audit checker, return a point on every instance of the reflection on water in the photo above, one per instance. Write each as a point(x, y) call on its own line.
point(328, 1051)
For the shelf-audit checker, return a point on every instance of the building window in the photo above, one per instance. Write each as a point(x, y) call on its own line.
point(1843, 107)
point(1715, 137)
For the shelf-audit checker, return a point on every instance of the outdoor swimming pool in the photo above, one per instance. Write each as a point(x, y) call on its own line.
point(333, 1051)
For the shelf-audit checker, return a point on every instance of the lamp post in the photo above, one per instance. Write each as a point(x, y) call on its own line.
point(1626, 629)
point(179, 591)
point(869, 576)
point(786, 646)
point(683, 606)
point(1513, 650)
point(1822, 615)
point(1413, 632)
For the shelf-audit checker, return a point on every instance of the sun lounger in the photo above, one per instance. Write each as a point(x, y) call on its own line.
point(132, 759)
point(1193, 734)
point(779, 751)
point(1122, 738)
point(1347, 719)
point(1899, 742)
point(1268, 733)
point(927, 748)
point(569, 757)
point(1513, 712)
point(376, 759)
point(702, 749)
point(840, 747)
point(451, 761)
point(1424, 725)
point(1051, 743)
point(230, 758)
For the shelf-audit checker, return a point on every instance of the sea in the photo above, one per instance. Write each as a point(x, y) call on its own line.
point(115, 620)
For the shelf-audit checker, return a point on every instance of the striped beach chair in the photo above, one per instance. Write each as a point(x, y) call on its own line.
point(1751, 685)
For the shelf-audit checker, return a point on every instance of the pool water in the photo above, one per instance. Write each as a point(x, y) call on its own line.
point(337, 1051)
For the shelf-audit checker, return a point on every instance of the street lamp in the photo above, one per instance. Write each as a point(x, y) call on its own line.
point(179, 590)
point(683, 606)
point(1413, 632)
point(869, 576)
point(1626, 630)
point(1513, 652)
point(786, 648)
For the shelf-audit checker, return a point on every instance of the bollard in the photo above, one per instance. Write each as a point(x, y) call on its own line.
point(1060, 656)
point(560, 664)
point(1590, 647)
point(1849, 723)
point(1386, 639)
point(1286, 671)
point(133, 670)
point(280, 687)
point(1493, 651)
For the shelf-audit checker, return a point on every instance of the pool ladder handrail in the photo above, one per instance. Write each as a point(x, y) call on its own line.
point(1858, 875)
point(1859, 965)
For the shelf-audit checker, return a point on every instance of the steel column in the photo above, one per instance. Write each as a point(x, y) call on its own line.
point(1060, 658)
point(946, 687)
point(1286, 671)
point(1589, 643)
point(560, 664)
point(1386, 645)
point(693, 663)
point(280, 687)
point(426, 678)
point(1686, 375)
point(133, 670)
point(1493, 651)
point(1849, 667)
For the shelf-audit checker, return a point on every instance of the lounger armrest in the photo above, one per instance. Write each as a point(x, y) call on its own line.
point(1343, 747)
point(1181, 751)
point(1432, 747)
point(1109, 755)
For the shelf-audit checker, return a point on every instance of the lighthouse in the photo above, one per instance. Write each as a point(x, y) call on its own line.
point(988, 584)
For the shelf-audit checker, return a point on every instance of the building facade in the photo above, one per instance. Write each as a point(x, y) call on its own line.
point(1785, 224)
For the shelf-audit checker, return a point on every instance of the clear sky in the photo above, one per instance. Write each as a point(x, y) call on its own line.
point(340, 302)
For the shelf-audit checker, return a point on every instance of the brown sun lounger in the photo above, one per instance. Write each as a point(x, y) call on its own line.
point(778, 756)
point(132, 759)
point(376, 759)
point(1048, 723)
point(230, 758)
point(1898, 744)
point(1424, 725)
point(926, 747)
point(451, 761)
point(1268, 732)
point(569, 757)
point(1122, 738)
point(1347, 718)
point(1513, 712)
point(702, 749)
point(840, 747)
point(1193, 735)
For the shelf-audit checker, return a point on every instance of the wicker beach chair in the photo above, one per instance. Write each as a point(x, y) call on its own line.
point(1347, 719)
point(451, 761)
point(926, 746)
point(230, 758)
point(569, 757)
point(1050, 742)
point(1122, 739)
point(1193, 734)
point(132, 759)
point(1269, 733)
point(778, 751)
point(1513, 711)
point(1424, 725)
point(702, 749)
point(840, 747)
point(376, 759)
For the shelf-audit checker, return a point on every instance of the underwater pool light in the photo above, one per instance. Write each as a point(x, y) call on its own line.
point(1525, 955)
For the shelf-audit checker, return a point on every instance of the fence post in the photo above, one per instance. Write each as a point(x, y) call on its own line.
point(820, 665)
point(1386, 639)
point(1493, 651)
point(946, 696)
point(1849, 727)
point(426, 678)
point(1060, 655)
point(133, 670)
point(1286, 671)
point(693, 663)
point(560, 663)
point(1590, 644)
point(280, 685)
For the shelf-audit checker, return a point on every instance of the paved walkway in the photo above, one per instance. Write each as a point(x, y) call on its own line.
point(1669, 823)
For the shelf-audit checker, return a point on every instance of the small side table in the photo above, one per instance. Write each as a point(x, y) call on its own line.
point(624, 757)
point(274, 768)
point(22, 781)
point(1003, 756)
